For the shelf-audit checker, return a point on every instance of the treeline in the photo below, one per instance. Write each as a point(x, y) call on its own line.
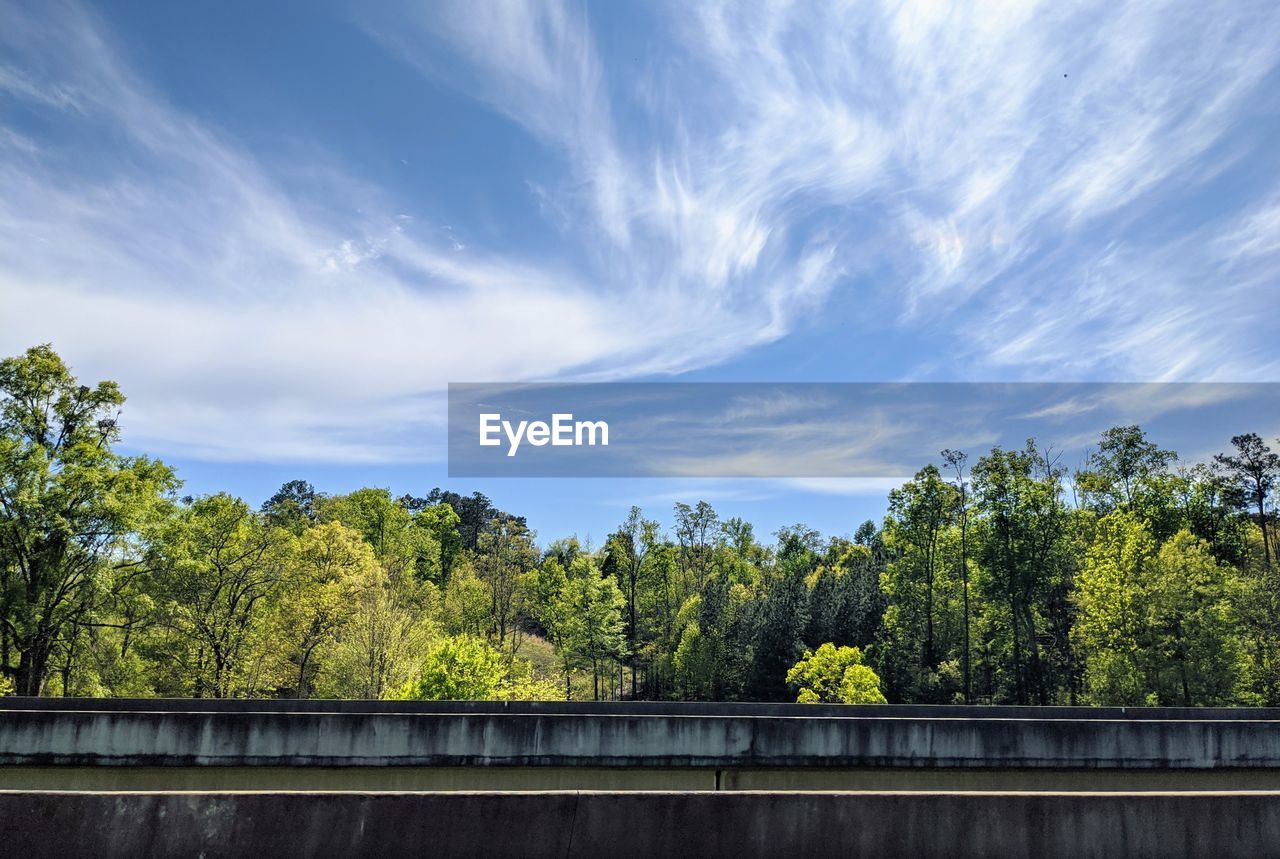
point(1129, 579)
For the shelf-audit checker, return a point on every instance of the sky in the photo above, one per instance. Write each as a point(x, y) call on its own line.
point(284, 228)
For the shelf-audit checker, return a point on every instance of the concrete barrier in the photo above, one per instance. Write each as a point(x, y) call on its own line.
point(385, 825)
point(779, 736)
point(49, 744)
point(221, 778)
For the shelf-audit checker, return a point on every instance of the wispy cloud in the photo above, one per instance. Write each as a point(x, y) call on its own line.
point(1051, 181)
point(248, 322)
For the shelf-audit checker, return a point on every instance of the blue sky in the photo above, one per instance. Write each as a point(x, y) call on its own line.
point(285, 227)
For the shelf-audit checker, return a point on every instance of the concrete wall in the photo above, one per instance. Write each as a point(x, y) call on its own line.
point(624, 778)
point(251, 770)
point(1220, 825)
point(795, 736)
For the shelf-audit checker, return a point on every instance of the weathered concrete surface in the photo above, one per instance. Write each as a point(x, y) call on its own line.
point(116, 778)
point(374, 778)
point(1047, 825)
point(716, 737)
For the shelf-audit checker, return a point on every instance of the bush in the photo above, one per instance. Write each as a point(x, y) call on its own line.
point(834, 675)
point(467, 668)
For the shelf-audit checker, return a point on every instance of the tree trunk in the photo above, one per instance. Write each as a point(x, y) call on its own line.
point(929, 659)
point(1034, 650)
point(33, 663)
point(1262, 523)
point(302, 674)
point(964, 578)
point(1018, 678)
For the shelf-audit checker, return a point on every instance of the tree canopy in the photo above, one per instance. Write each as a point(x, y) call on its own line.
point(1004, 577)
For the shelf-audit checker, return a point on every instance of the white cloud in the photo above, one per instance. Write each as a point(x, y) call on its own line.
point(1017, 172)
point(247, 323)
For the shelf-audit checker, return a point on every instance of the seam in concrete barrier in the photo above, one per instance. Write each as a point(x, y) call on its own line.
point(573, 819)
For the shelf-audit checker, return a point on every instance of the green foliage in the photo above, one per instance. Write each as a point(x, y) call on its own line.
point(923, 620)
point(442, 523)
point(1154, 624)
point(466, 668)
point(293, 507)
point(1150, 582)
point(466, 602)
point(405, 544)
point(380, 646)
point(589, 627)
point(217, 566)
point(1020, 537)
point(319, 590)
point(1193, 644)
point(713, 660)
point(783, 618)
point(834, 675)
point(459, 668)
point(71, 508)
point(506, 554)
point(1111, 592)
point(1254, 592)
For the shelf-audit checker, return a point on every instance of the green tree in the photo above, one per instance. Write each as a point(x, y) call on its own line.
point(319, 591)
point(659, 601)
point(218, 566)
point(690, 658)
point(834, 675)
point(921, 614)
point(1255, 599)
point(784, 615)
point(543, 588)
point(405, 545)
point(697, 529)
point(956, 460)
point(1117, 471)
point(442, 523)
point(550, 604)
point(630, 546)
point(461, 668)
point(713, 658)
point(466, 668)
point(824, 605)
point(919, 514)
point(1209, 500)
point(1111, 596)
point(1256, 468)
point(474, 512)
point(590, 626)
point(464, 608)
point(1021, 538)
point(506, 553)
point(380, 646)
point(293, 507)
point(71, 508)
point(1193, 644)
point(861, 601)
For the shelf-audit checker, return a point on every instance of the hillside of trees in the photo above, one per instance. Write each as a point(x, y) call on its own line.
point(1130, 578)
